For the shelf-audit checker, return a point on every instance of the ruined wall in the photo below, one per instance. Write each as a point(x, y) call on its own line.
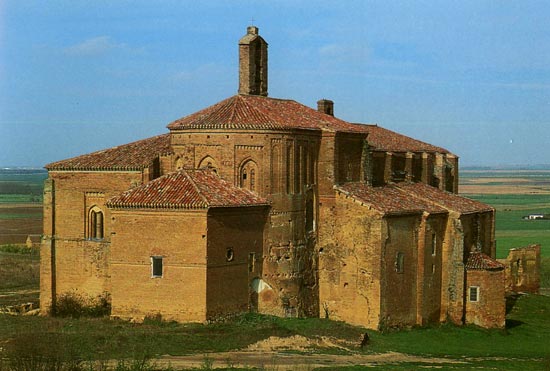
point(349, 158)
point(179, 237)
point(523, 269)
point(349, 262)
point(399, 270)
point(234, 250)
point(79, 262)
point(489, 310)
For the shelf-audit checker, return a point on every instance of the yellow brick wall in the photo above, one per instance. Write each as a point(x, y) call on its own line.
point(180, 238)
point(349, 262)
point(79, 265)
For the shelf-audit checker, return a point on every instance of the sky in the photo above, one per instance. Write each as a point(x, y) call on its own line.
point(470, 76)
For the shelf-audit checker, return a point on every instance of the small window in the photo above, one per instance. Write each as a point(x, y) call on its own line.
point(434, 244)
point(399, 262)
point(95, 224)
point(251, 262)
point(229, 254)
point(156, 266)
point(474, 293)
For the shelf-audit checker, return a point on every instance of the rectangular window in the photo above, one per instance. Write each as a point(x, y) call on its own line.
point(251, 262)
point(434, 244)
point(156, 266)
point(474, 293)
point(399, 262)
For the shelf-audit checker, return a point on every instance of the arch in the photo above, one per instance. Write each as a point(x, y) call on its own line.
point(248, 175)
point(95, 223)
point(208, 162)
point(179, 163)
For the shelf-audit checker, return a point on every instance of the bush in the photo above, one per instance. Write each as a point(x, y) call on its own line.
point(76, 305)
point(19, 249)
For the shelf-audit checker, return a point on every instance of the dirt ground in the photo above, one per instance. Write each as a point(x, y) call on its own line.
point(17, 221)
point(270, 354)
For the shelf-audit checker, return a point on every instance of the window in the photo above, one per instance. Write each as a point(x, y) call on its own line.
point(434, 244)
point(399, 262)
point(251, 262)
point(248, 175)
point(156, 266)
point(95, 223)
point(229, 254)
point(473, 293)
point(310, 222)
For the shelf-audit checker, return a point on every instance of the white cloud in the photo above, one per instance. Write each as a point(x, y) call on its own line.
point(94, 46)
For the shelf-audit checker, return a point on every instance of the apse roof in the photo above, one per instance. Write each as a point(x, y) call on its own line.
point(187, 189)
point(258, 112)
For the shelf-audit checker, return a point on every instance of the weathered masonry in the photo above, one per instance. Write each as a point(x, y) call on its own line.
point(264, 204)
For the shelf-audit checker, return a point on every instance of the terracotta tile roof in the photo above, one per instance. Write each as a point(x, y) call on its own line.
point(480, 261)
point(189, 189)
point(447, 200)
point(386, 140)
point(388, 199)
point(257, 112)
point(131, 156)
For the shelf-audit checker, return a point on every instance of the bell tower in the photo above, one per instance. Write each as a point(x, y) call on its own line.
point(252, 63)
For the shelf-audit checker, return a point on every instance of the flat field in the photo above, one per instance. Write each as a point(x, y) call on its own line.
point(514, 194)
point(20, 204)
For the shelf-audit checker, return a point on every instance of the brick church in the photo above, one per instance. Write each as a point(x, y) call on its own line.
point(264, 204)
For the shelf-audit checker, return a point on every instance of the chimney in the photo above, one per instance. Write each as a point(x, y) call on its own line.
point(325, 106)
point(252, 63)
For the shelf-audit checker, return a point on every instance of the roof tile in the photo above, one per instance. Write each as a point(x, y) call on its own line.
point(480, 261)
point(190, 189)
point(386, 140)
point(447, 200)
point(258, 112)
point(389, 199)
point(131, 156)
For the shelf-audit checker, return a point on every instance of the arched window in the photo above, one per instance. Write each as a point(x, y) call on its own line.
point(208, 162)
point(95, 223)
point(247, 175)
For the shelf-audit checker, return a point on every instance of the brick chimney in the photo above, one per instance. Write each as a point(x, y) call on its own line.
point(252, 63)
point(325, 106)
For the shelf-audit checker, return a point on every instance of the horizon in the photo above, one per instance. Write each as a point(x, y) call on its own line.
point(471, 77)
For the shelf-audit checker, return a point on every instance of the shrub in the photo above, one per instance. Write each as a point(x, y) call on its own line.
point(76, 305)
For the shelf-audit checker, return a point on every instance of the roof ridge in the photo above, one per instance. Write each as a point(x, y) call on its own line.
point(195, 186)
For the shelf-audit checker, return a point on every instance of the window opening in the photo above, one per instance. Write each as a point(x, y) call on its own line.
point(229, 254)
point(95, 229)
point(434, 244)
point(156, 266)
point(474, 293)
point(251, 262)
point(399, 262)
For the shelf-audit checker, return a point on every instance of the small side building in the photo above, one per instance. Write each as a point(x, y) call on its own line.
point(185, 246)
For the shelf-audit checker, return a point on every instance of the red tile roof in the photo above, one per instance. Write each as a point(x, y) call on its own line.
point(131, 156)
point(389, 199)
point(447, 200)
point(386, 140)
point(257, 112)
point(479, 261)
point(189, 189)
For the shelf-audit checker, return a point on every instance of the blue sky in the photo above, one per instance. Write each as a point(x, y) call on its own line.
point(470, 76)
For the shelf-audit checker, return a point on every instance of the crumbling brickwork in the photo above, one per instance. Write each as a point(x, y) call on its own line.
point(523, 269)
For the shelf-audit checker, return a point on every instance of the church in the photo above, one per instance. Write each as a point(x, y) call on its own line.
point(264, 204)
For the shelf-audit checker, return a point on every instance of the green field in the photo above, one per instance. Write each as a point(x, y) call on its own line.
point(511, 229)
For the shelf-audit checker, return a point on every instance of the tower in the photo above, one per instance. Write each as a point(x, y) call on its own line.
point(252, 63)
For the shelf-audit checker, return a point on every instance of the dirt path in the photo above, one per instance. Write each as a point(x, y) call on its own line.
point(271, 360)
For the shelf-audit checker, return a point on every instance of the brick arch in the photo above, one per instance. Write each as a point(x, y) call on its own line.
point(249, 175)
point(208, 162)
point(96, 220)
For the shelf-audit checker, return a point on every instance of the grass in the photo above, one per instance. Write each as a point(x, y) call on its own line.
point(20, 271)
point(523, 345)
